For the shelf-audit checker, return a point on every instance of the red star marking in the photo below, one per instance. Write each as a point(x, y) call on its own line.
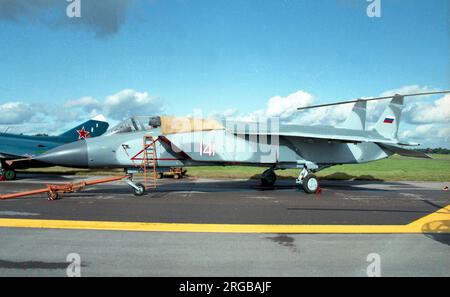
point(83, 134)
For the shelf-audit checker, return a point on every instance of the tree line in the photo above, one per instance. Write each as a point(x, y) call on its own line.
point(439, 150)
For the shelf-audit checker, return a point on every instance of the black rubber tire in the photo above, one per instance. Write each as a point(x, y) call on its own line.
point(52, 196)
point(10, 175)
point(160, 175)
point(269, 178)
point(310, 184)
point(177, 176)
point(141, 190)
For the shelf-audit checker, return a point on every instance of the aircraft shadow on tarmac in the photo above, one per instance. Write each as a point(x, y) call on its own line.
point(345, 176)
point(241, 186)
point(49, 177)
point(335, 181)
point(6, 264)
point(443, 226)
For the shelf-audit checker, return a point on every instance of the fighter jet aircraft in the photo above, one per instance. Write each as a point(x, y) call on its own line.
point(180, 142)
point(17, 146)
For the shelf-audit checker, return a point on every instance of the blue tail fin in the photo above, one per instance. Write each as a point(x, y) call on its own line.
point(91, 128)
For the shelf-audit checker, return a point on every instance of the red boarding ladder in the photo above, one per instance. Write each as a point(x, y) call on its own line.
point(148, 164)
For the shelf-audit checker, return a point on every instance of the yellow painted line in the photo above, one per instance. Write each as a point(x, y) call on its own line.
point(437, 222)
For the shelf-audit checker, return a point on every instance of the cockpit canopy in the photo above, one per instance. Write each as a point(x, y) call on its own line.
point(167, 124)
point(137, 123)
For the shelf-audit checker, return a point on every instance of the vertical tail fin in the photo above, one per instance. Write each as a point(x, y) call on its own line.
point(91, 128)
point(357, 118)
point(389, 121)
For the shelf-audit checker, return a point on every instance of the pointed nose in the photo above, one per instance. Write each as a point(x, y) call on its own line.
point(73, 154)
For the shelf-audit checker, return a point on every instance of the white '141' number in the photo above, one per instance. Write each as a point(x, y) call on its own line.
point(208, 149)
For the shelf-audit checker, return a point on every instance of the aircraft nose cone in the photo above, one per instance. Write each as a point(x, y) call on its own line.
point(73, 154)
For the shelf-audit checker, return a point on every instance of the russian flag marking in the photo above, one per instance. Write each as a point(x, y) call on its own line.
point(389, 120)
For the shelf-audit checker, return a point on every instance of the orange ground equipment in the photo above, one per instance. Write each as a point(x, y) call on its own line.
point(54, 191)
point(175, 172)
point(148, 159)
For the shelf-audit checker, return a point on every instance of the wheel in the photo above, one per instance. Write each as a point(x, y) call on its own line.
point(159, 175)
point(268, 178)
point(10, 175)
point(52, 196)
point(140, 190)
point(177, 176)
point(310, 183)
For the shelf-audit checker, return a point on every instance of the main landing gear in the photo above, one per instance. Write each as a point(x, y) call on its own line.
point(268, 178)
point(308, 181)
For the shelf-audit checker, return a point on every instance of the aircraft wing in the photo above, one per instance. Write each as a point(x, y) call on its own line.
point(7, 152)
point(5, 155)
point(313, 133)
point(13, 147)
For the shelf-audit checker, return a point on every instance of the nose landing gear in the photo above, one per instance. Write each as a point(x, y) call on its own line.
point(138, 188)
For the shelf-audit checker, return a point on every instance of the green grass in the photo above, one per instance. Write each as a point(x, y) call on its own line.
point(395, 168)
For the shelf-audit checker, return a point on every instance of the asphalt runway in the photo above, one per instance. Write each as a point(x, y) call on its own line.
point(231, 202)
point(231, 210)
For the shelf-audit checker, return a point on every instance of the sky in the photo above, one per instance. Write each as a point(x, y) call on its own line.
point(226, 58)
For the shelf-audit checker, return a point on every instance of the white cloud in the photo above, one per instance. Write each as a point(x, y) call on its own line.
point(420, 131)
point(285, 107)
point(79, 109)
point(444, 132)
point(324, 115)
point(22, 117)
point(434, 112)
point(15, 113)
point(130, 102)
point(255, 116)
point(277, 106)
point(226, 114)
point(411, 89)
point(84, 102)
point(118, 106)
point(430, 135)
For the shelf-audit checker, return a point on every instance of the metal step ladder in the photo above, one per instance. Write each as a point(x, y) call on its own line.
point(148, 164)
